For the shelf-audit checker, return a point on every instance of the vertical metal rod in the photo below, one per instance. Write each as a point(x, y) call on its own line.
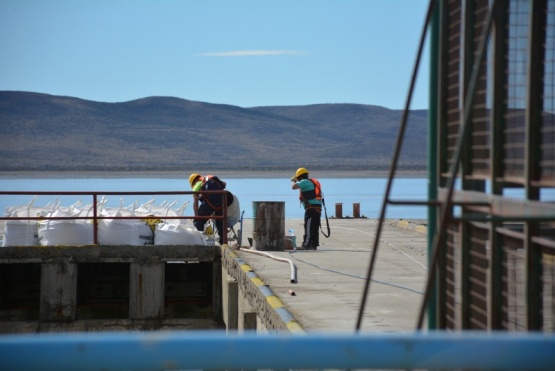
point(95, 220)
point(496, 143)
point(463, 132)
point(224, 215)
point(534, 106)
point(393, 167)
point(432, 148)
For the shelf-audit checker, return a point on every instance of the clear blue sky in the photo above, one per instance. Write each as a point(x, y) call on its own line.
point(244, 53)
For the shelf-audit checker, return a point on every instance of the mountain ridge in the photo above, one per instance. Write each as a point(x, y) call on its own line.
point(48, 132)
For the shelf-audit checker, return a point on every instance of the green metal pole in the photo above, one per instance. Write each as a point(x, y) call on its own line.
point(432, 153)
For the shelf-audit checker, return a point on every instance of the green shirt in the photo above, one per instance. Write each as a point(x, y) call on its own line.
point(306, 185)
point(197, 186)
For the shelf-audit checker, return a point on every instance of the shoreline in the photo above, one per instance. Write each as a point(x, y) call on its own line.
point(231, 174)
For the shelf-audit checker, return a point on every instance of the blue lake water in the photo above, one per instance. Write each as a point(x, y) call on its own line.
point(368, 192)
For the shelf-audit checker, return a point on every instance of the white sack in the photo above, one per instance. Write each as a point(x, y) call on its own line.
point(123, 231)
point(65, 232)
point(21, 233)
point(178, 234)
point(233, 212)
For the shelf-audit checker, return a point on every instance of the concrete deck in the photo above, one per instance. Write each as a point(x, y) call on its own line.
point(330, 281)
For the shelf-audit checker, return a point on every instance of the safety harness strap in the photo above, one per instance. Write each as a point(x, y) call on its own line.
point(327, 221)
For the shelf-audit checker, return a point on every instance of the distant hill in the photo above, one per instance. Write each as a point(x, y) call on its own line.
point(46, 132)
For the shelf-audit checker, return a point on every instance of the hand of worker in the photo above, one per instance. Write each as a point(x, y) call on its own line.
point(294, 179)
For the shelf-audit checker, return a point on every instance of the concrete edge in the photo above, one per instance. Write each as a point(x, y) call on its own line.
point(268, 306)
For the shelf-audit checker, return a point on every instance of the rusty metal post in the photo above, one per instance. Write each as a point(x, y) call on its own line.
point(356, 210)
point(339, 210)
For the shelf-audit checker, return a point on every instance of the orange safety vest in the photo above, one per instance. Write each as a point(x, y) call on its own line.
point(315, 194)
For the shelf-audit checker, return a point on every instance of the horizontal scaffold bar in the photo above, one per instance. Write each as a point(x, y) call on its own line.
point(218, 350)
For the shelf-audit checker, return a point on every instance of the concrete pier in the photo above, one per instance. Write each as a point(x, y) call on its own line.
point(98, 288)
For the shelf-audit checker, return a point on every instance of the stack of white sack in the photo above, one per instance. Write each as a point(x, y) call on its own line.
point(74, 232)
point(26, 232)
point(134, 232)
point(153, 228)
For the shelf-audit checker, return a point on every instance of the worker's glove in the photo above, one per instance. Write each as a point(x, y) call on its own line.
point(294, 179)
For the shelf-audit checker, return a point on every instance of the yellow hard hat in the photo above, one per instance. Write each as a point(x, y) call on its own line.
point(192, 179)
point(301, 171)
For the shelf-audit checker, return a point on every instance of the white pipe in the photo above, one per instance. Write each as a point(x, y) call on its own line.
point(293, 268)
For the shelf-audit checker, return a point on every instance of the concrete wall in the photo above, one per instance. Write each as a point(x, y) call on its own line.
point(251, 304)
point(95, 288)
point(98, 288)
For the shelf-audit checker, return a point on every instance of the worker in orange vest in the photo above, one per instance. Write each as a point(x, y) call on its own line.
point(311, 198)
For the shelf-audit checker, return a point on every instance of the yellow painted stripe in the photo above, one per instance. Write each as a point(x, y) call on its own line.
point(228, 250)
point(403, 224)
point(257, 281)
point(294, 327)
point(274, 302)
point(246, 268)
point(421, 228)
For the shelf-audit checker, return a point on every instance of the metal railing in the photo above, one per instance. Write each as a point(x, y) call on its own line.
point(95, 217)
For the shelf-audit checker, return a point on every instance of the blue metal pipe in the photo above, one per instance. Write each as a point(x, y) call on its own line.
point(217, 350)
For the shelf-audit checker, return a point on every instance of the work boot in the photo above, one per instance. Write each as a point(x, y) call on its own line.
point(309, 246)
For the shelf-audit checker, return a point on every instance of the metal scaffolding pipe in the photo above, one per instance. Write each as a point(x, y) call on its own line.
point(218, 350)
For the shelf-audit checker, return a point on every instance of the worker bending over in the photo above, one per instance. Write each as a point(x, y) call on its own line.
point(311, 199)
point(207, 205)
